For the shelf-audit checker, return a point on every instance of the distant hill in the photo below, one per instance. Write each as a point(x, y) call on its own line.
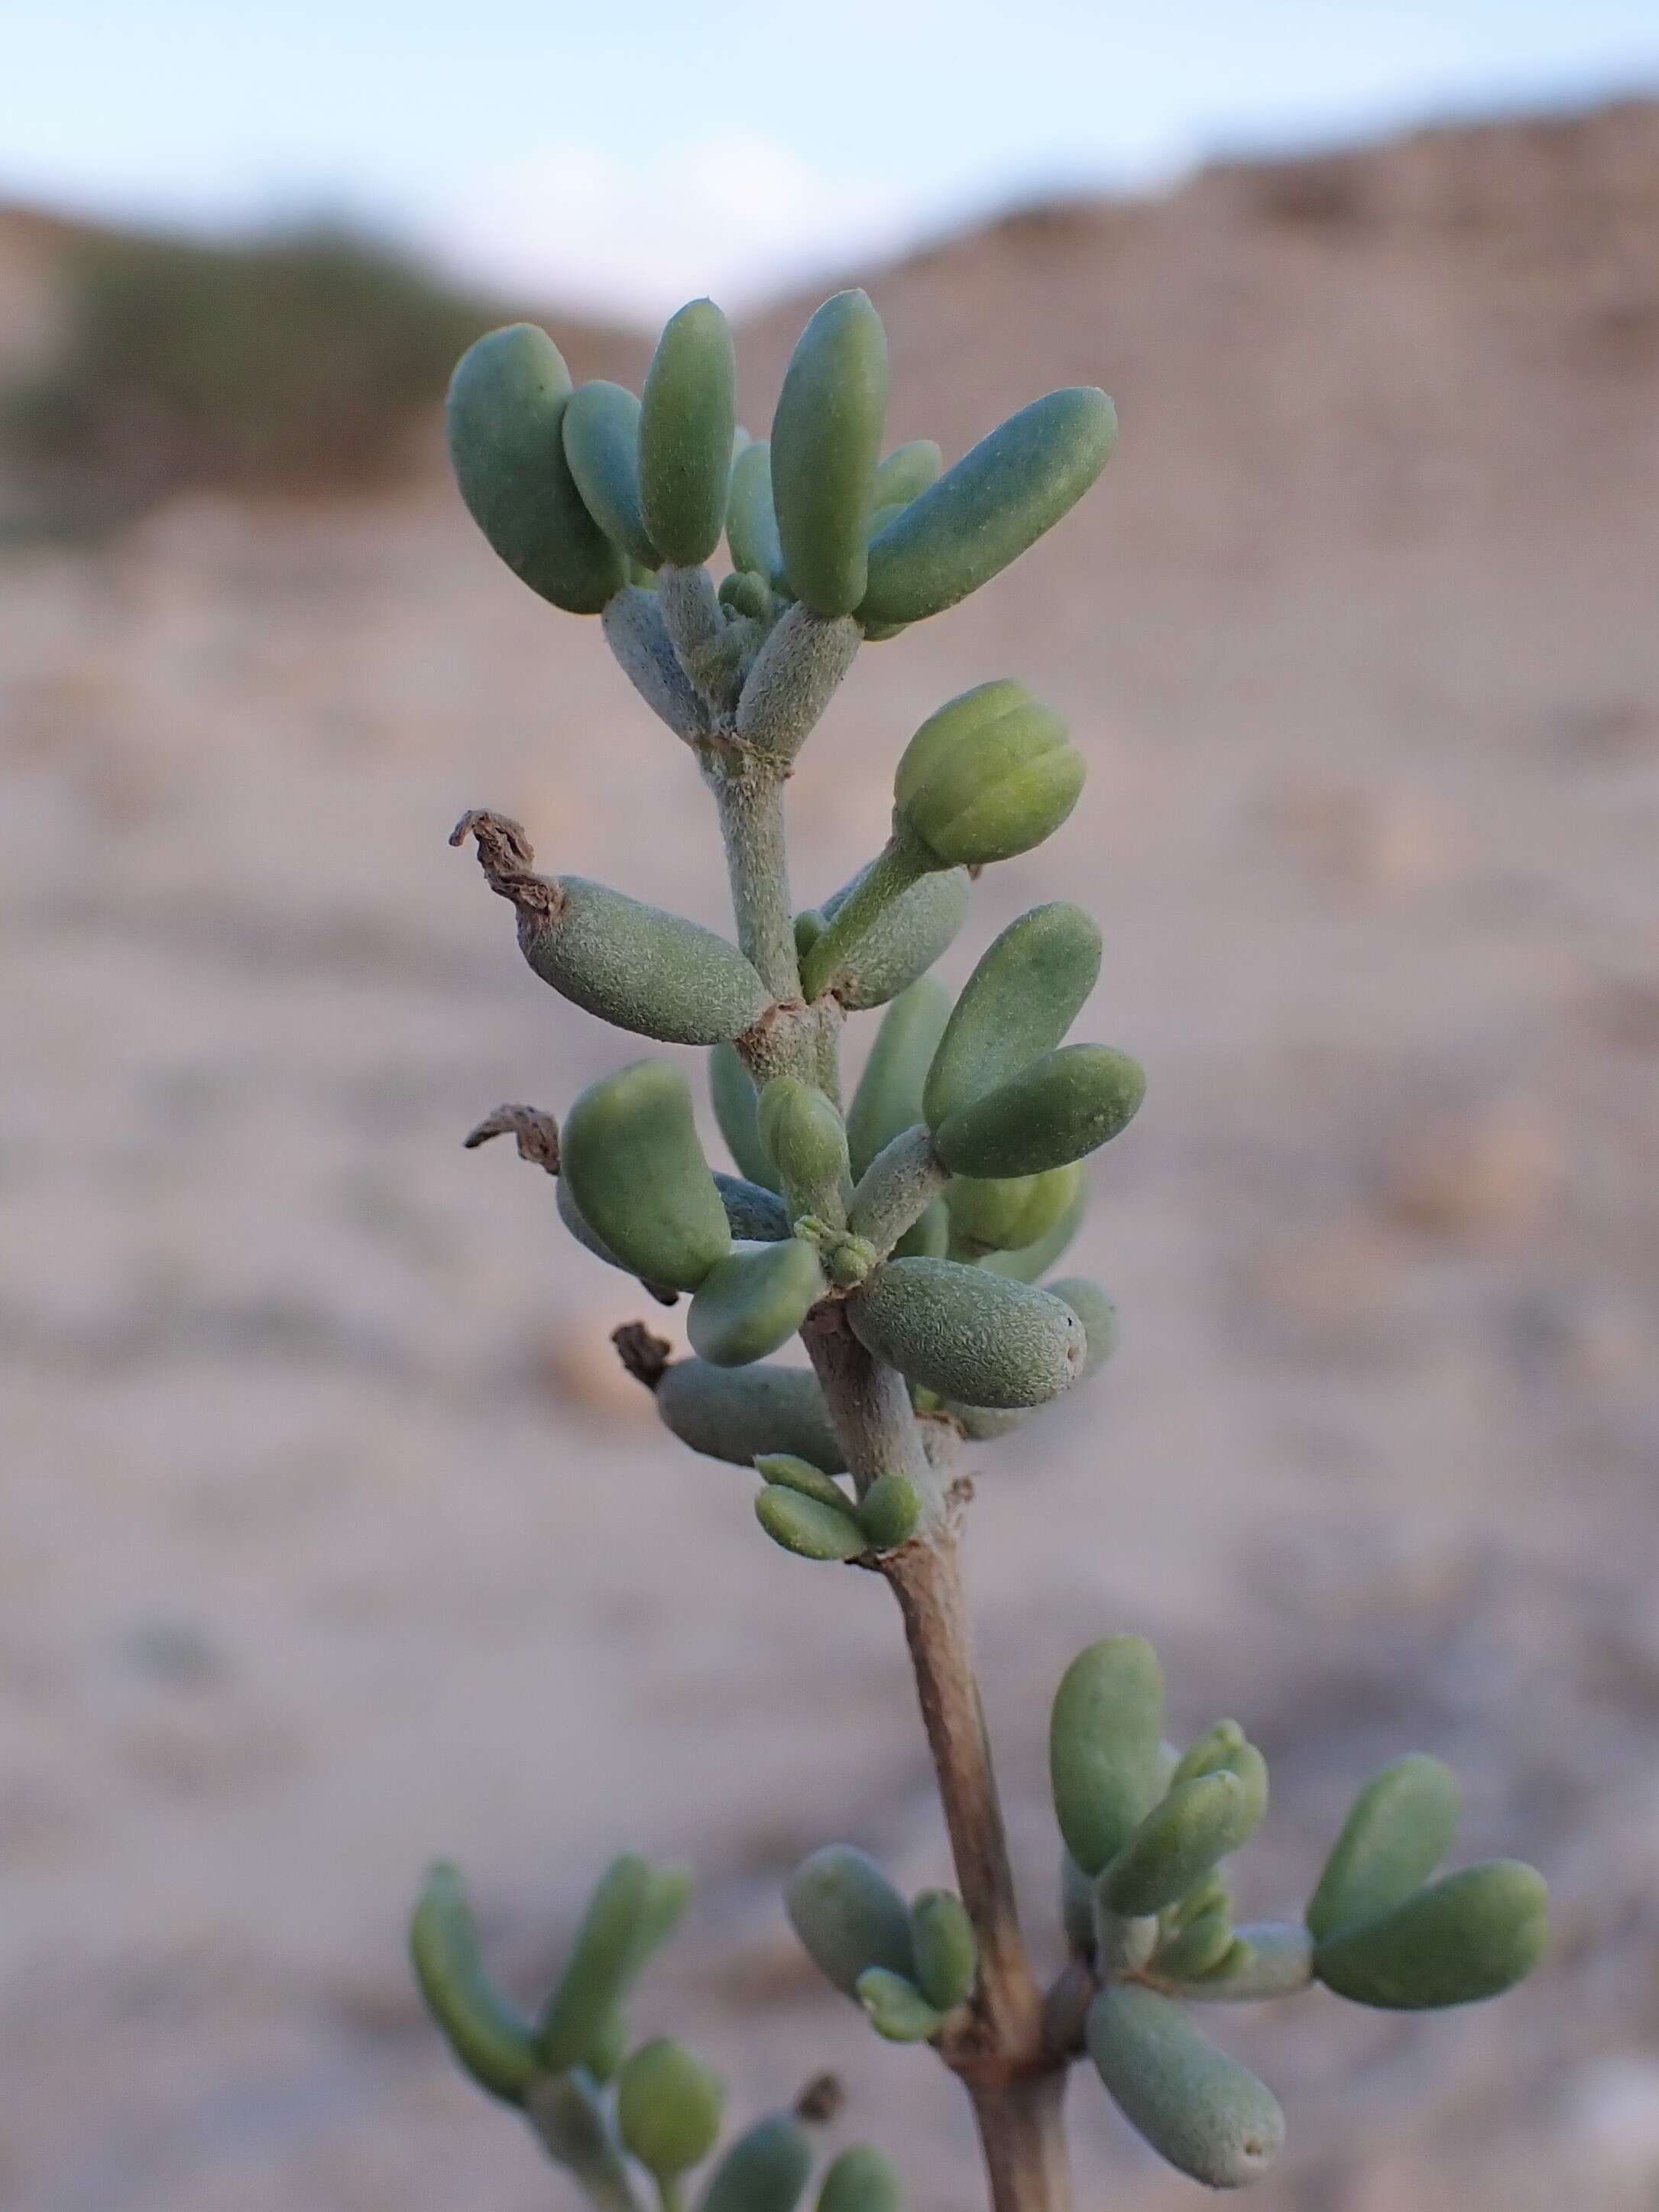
point(1374, 342)
point(137, 366)
point(1367, 342)
point(40, 250)
point(35, 252)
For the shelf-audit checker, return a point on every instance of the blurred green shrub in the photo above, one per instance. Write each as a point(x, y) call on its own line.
point(290, 362)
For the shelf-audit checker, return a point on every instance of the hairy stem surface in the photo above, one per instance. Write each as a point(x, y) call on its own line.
point(749, 792)
point(1014, 2079)
point(897, 1186)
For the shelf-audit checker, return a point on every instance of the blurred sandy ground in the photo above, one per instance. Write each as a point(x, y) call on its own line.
point(331, 1539)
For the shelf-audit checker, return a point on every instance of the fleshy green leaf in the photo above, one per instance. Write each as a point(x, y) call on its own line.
point(1105, 1735)
point(1470, 1935)
point(848, 1916)
point(1202, 2110)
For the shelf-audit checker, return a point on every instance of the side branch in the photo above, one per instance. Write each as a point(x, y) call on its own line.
point(749, 792)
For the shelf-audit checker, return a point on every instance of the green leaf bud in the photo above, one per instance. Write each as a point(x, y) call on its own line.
point(1177, 1843)
point(988, 776)
point(736, 1102)
point(805, 1527)
point(753, 1300)
point(1207, 1752)
point(1011, 1214)
point(896, 2008)
point(901, 944)
point(848, 1916)
point(1105, 1743)
point(889, 1512)
point(793, 1473)
point(603, 1962)
point(945, 1947)
point(1401, 1826)
point(490, 2039)
point(826, 442)
point(804, 1136)
point(687, 418)
point(752, 528)
point(1225, 1745)
point(668, 2108)
point(1077, 1906)
point(506, 409)
point(1470, 1935)
point(907, 472)
point(637, 1174)
point(888, 1099)
point(1027, 990)
point(601, 432)
point(754, 1216)
point(861, 2179)
point(1189, 1953)
point(1203, 2112)
point(747, 594)
point(764, 2171)
point(718, 660)
point(1060, 1108)
point(1265, 1959)
point(968, 1335)
point(983, 512)
point(736, 1413)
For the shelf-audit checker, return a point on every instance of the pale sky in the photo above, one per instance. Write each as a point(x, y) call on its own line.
point(625, 156)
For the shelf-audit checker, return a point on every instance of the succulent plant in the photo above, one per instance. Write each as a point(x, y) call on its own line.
point(908, 1237)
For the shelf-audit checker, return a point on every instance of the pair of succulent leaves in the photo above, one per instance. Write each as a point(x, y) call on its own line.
point(590, 2097)
point(1145, 1904)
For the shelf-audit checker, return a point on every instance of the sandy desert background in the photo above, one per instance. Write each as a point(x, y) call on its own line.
point(332, 1540)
